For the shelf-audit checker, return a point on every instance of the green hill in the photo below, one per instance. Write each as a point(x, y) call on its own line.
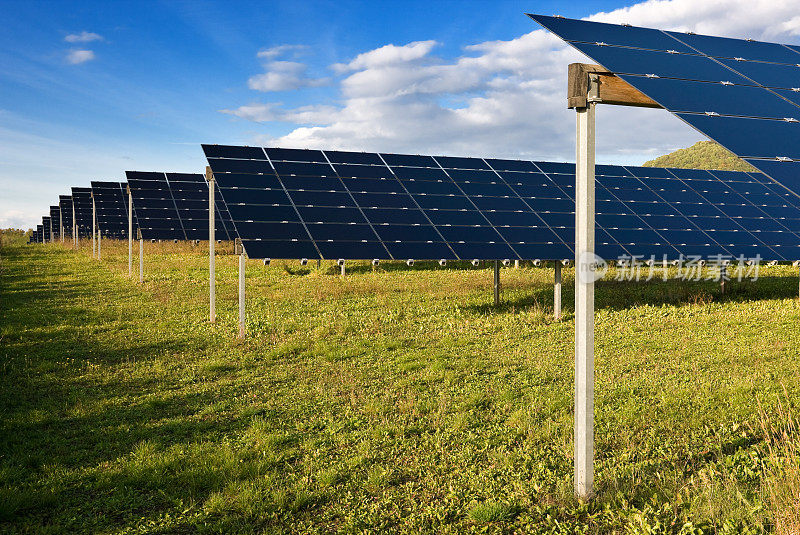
point(702, 155)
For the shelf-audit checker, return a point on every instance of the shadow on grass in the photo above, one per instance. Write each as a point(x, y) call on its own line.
point(62, 417)
point(619, 295)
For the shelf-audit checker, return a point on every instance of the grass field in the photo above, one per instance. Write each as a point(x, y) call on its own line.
point(395, 400)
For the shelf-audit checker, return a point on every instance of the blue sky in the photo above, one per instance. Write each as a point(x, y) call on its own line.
point(91, 89)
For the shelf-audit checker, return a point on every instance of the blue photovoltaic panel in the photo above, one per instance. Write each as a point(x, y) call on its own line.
point(39, 233)
point(153, 206)
point(65, 205)
point(55, 218)
point(82, 208)
point(174, 206)
point(743, 94)
point(111, 205)
point(190, 192)
point(426, 207)
point(46, 228)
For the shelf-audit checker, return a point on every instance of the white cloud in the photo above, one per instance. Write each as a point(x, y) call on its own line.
point(389, 55)
point(260, 113)
point(754, 19)
point(14, 219)
point(275, 51)
point(502, 98)
point(282, 75)
point(271, 111)
point(77, 56)
point(83, 37)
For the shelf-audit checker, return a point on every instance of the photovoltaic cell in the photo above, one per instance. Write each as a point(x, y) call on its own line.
point(743, 94)
point(426, 207)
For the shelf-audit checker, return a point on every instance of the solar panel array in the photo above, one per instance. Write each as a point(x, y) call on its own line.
point(111, 205)
point(288, 203)
point(40, 233)
point(743, 94)
point(65, 205)
point(82, 206)
point(55, 218)
point(171, 206)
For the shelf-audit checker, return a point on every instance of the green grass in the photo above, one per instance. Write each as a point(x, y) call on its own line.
point(393, 400)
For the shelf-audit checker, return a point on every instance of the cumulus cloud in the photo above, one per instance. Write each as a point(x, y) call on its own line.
point(83, 37)
point(502, 98)
point(754, 19)
point(388, 55)
point(283, 75)
point(77, 56)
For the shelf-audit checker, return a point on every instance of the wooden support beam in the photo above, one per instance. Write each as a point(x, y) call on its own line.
point(610, 88)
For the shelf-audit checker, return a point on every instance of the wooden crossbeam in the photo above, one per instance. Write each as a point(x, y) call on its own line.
point(610, 88)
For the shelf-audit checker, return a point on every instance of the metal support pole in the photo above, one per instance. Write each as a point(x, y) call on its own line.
point(141, 260)
point(212, 271)
point(516, 263)
point(94, 224)
point(52, 237)
point(319, 263)
point(343, 269)
point(584, 299)
point(130, 234)
point(557, 291)
point(723, 274)
point(99, 239)
point(496, 282)
point(241, 293)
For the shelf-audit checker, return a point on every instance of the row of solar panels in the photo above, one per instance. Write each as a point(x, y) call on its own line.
point(286, 203)
point(170, 206)
point(289, 203)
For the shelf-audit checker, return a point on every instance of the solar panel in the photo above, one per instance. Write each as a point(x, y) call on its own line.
point(171, 206)
point(39, 233)
point(55, 218)
point(82, 206)
point(434, 207)
point(111, 205)
point(743, 94)
point(46, 228)
point(65, 205)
